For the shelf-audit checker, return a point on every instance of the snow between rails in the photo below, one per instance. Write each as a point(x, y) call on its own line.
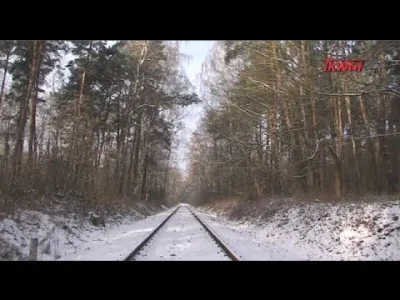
point(297, 232)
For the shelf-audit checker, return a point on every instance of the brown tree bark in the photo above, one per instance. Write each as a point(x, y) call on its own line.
point(33, 101)
point(19, 138)
point(3, 82)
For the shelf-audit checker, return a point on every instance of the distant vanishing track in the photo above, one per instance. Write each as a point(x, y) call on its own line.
point(196, 220)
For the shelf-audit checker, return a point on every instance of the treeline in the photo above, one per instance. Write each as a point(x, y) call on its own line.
point(276, 124)
point(105, 131)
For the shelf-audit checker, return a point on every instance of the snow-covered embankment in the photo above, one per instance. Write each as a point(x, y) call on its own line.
point(318, 231)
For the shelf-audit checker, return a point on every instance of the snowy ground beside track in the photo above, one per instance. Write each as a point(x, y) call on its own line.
point(368, 231)
point(365, 231)
point(71, 237)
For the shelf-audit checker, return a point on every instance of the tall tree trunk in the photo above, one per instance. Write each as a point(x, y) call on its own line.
point(123, 165)
point(303, 90)
point(337, 153)
point(32, 128)
point(353, 146)
point(78, 133)
point(130, 166)
point(19, 138)
point(166, 171)
point(371, 146)
point(3, 82)
point(143, 190)
point(138, 137)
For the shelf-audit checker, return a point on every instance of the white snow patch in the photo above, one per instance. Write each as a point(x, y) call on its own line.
point(182, 238)
point(65, 238)
point(120, 241)
point(295, 232)
point(315, 232)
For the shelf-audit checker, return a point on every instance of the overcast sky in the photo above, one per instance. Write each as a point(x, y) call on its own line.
point(197, 51)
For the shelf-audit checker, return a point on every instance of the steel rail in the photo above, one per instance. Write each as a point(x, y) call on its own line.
point(131, 256)
point(217, 240)
point(220, 243)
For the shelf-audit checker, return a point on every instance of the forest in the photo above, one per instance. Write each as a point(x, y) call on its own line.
point(99, 120)
point(91, 119)
point(277, 125)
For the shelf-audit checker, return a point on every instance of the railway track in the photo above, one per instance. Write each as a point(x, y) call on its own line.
point(182, 236)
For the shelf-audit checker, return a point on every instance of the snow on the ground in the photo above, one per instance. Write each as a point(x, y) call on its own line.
point(314, 232)
point(121, 241)
point(182, 238)
point(320, 231)
point(69, 237)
